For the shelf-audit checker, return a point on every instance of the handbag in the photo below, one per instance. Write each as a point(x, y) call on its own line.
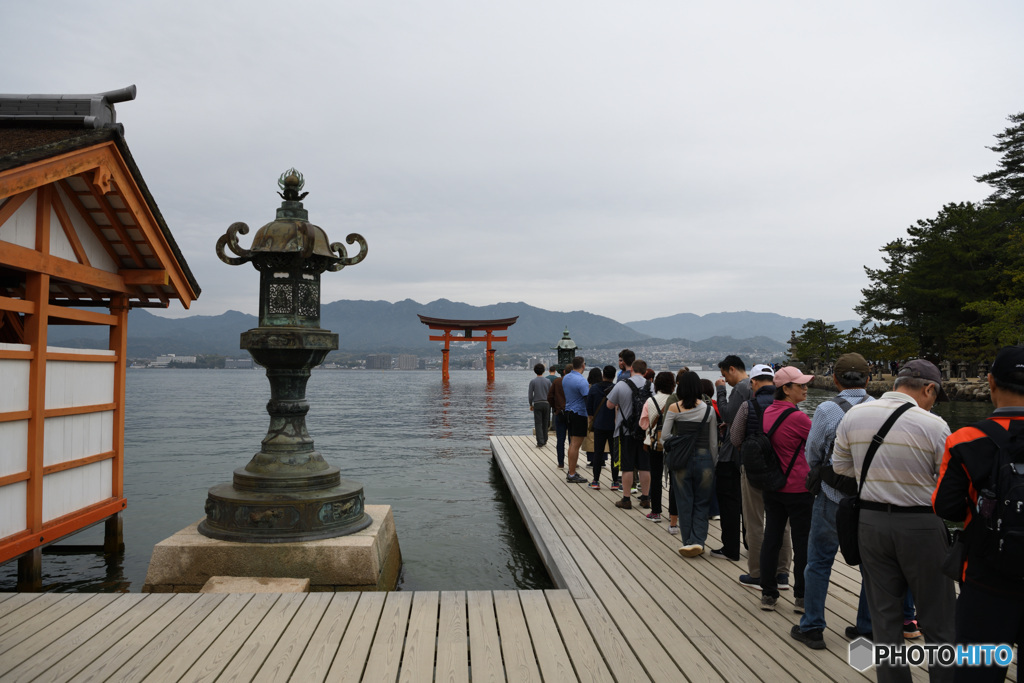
point(848, 513)
point(679, 447)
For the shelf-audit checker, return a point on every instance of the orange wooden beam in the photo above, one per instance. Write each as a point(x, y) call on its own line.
point(118, 343)
point(13, 478)
point(80, 462)
point(69, 229)
point(16, 415)
point(116, 226)
point(144, 277)
point(38, 291)
point(86, 215)
point(19, 544)
point(78, 315)
point(32, 261)
point(78, 410)
point(16, 305)
point(12, 204)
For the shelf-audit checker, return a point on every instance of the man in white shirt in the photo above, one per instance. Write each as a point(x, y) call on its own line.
point(902, 542)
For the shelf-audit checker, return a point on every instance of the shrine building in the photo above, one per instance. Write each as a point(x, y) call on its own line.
point(82, 241)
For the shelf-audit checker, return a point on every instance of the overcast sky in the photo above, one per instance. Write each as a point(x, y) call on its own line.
point(632, 159)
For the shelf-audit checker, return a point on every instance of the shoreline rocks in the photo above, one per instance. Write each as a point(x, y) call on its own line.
point(957, 390)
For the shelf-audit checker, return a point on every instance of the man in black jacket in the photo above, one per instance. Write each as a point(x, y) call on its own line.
point(990, 608)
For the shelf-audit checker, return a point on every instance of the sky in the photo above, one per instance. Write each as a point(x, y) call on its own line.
point(634, 160)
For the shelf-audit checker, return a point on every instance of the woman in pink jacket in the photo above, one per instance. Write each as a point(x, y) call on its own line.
point(792, 503)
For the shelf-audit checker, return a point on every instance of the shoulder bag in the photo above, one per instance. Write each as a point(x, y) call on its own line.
point(679, 447)
point(848, 514)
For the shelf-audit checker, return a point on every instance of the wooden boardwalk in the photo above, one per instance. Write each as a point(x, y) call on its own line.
point(627, 607)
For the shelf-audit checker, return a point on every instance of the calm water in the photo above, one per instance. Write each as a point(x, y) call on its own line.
point(413, 443)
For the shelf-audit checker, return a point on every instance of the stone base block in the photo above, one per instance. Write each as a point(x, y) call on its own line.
point(369, 559)
point(254, 584)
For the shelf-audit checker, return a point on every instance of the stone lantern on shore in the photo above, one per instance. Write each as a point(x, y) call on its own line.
point(287, 492)
point(566, 348)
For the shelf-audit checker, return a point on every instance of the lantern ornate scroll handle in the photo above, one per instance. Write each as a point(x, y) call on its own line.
point(344, 259)
point(230, 240)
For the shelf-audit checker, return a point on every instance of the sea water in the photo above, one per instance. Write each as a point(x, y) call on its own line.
point(413, 442)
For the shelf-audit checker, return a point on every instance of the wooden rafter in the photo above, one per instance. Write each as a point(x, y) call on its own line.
point(84, 212)
point(69, 229)
point(12, 204)
point(116, 226)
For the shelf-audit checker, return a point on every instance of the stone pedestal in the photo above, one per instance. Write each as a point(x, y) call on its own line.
point(369, 559)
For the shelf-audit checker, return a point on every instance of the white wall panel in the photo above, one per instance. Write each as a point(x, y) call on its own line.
point(12, 508)
point(71, 490)
point(70, 384)
point(13, 383)
point(14, 447)
point(77, 436)
point(60, 246)
point(21, 227)
point(98, 256)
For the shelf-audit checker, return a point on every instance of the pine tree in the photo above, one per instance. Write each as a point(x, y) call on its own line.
point(1008, 179)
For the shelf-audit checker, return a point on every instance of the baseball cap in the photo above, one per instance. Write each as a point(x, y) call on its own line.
point(760, 370)
point(926, 370)
point(790, 374)
point(1009, 364)
point(851, 362)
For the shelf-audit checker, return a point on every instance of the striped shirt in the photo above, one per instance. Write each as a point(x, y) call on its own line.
point(906, 466)
point(823, 433)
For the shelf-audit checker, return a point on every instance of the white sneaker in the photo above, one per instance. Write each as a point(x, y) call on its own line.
point(692, 550)
point(674, 530)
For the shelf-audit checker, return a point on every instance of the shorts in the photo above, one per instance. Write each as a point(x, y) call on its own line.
point(631, 455)
point(576, 423)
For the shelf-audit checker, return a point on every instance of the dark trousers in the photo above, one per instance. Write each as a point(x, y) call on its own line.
point(560, 428)
point(730, 502)
point(602, 440)
point(657, 474)
point(983, 616)
point(780, 508)
point(541, 421)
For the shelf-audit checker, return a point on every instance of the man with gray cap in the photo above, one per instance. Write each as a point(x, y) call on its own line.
point(902, 542)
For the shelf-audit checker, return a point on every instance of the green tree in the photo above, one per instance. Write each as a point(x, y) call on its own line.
point(818, 340)
point(919, 302)
point(1008, 179)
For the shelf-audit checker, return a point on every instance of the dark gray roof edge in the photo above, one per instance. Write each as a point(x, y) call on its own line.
point(125, 94)
point(90, 111)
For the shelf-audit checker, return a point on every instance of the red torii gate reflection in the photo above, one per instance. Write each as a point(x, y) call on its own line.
point(468, 327)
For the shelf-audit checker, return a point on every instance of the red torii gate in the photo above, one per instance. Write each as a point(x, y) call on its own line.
point(468, 327)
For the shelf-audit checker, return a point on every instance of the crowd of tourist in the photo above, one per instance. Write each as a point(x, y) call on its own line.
point(889, 459)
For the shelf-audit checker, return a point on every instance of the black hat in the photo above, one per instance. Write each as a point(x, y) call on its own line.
point(925, 370)
point(1009, 365)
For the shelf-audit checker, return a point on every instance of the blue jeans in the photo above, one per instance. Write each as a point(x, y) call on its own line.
point(692, 490)
point(560, 438)
point(822, 546)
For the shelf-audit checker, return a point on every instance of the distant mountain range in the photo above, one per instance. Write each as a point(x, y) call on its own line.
point(738, 325)
point(374, 326)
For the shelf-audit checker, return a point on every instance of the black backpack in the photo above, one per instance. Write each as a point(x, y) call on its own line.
point(631, 425)
point(760, 463)
point(998, 534)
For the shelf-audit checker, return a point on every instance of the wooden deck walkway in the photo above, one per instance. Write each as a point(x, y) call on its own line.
point(626, 607)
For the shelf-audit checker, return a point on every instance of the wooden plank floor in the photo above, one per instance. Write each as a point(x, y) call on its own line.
point(626, 607)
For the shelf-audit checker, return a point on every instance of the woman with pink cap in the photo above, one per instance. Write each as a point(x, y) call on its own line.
point(792, 502)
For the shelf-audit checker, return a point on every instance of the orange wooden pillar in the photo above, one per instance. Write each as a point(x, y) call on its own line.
point(490, 358)
point(444, 357)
